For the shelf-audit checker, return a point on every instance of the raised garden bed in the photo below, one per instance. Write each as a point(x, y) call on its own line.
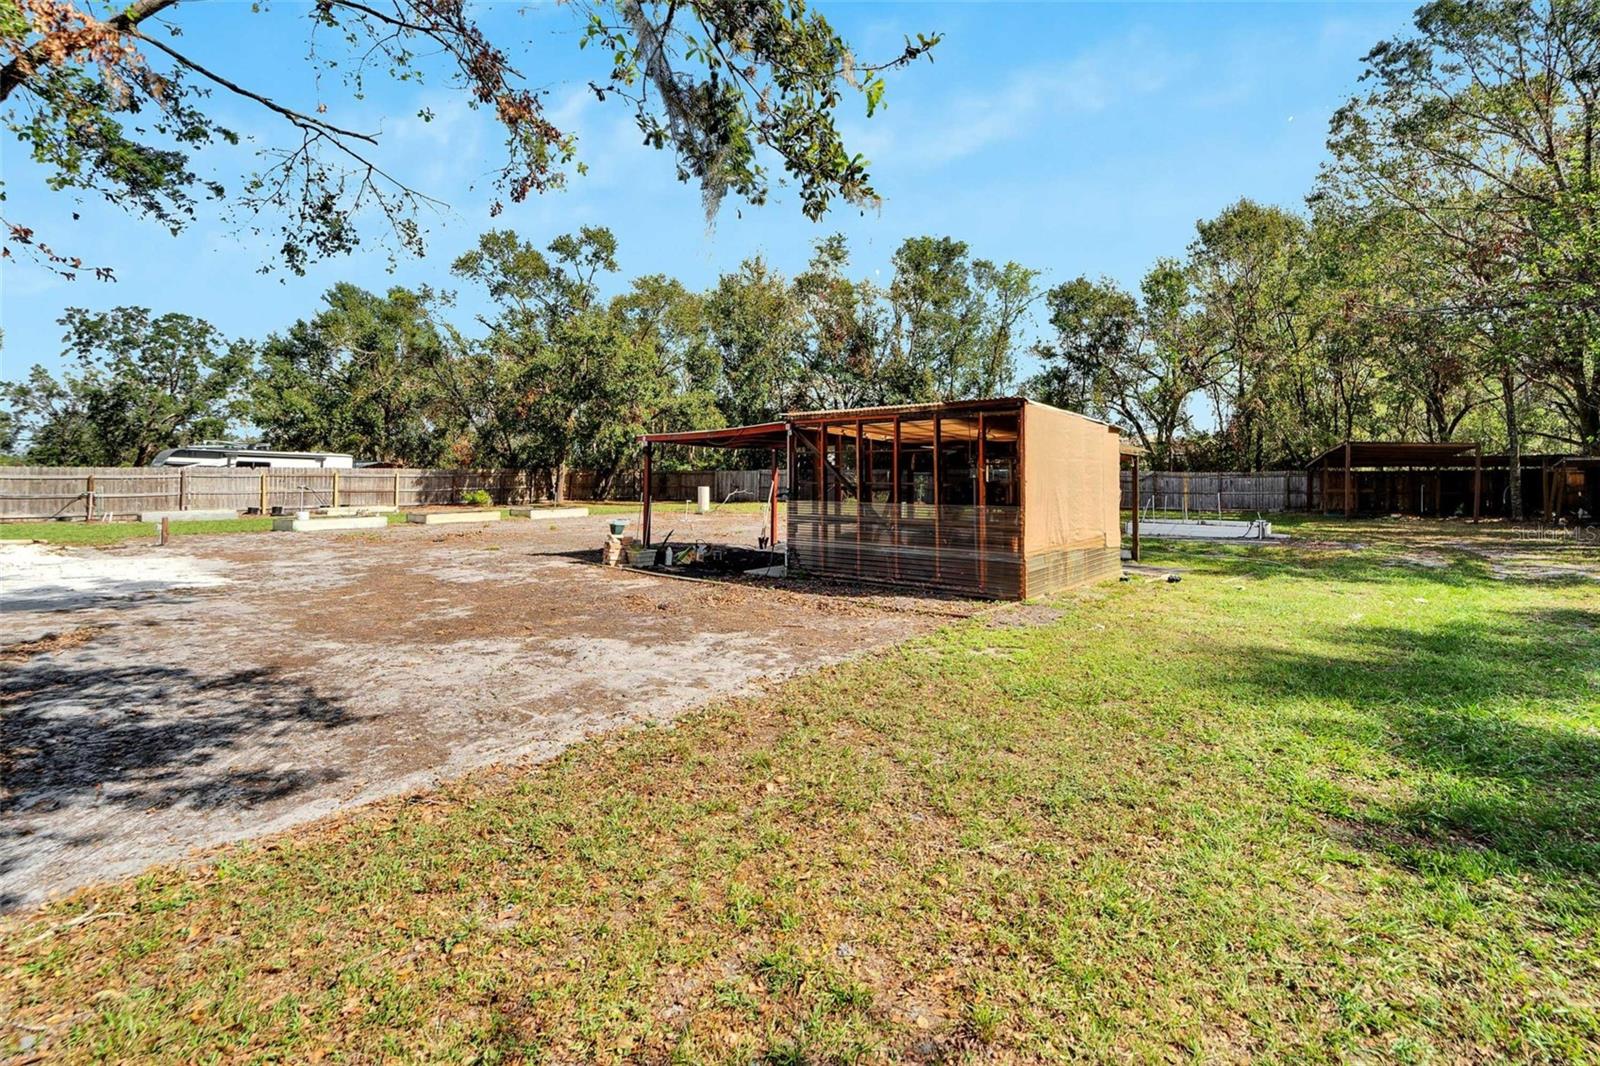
point(549, 512)
point(189, 516)
point(324, 523)
point(443, 516)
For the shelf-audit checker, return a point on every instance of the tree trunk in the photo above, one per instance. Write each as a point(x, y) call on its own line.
point(1508, 397)
point(558, 479)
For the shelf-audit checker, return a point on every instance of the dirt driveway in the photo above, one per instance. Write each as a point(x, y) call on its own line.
point(230, 686)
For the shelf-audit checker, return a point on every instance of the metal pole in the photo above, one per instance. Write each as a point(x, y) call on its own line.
point(1135, 551)
point(772, 506)
point(645, 495)
point(1477, 481)
point(1348, 483)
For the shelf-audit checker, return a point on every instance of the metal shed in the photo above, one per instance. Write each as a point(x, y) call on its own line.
point(1405, 477)
point(1438, 478)
point(1002, 498)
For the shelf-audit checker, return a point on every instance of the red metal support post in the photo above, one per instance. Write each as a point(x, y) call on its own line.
point(772, 506)
point(938, 495)
point(982, 497)
point(645, 495)
point(894, 499)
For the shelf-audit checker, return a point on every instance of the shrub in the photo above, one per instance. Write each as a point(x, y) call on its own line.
point(477, 498)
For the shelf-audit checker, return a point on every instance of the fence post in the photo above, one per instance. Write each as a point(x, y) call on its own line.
point(183, 488)
point(88, 499)
point(262, 506)
point(336, 488)
point(397, 489)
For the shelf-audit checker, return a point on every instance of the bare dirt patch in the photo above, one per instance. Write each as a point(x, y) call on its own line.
point(23, 650)
point(313, 672)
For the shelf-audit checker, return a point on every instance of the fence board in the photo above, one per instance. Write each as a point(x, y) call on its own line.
point(1267, 491)
point(29, 492)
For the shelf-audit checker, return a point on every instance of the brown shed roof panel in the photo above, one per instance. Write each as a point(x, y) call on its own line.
point(761, 435)
point(952, 406)
point(1367, 453)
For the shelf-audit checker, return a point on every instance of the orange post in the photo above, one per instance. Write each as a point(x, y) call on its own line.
point(772, 507)
point(645, 495)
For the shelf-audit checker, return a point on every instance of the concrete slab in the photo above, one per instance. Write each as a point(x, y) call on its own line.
point(445, 518)
point(549, 512)
point(328, 523)
point(1205, 529)
point(188, 516)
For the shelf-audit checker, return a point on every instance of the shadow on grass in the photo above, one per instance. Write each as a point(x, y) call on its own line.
point(1480, 708)
point(1385, 561)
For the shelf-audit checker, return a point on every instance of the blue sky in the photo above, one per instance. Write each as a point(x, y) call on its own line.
point(1075, 138)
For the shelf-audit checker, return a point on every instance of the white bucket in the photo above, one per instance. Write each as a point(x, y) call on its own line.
point(705, 499)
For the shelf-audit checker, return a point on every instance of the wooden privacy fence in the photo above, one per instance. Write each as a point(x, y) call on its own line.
point(88, 492)
point(40, 492)
point(724, 484)
point(1265, 491)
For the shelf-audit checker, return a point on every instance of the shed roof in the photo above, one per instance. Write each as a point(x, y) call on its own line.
point(761, 435)
point(890, 410)
point(1364, 453)
point(775, 434)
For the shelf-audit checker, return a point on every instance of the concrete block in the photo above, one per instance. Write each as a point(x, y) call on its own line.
point(328, 523)
point(1204, 529)
point(549, 512)
point(342, 511)
point(446, 518)
point(187, 516)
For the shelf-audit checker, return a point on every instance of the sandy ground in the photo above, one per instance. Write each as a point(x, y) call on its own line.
point(154, 701)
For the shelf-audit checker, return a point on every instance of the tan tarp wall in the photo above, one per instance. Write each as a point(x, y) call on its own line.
point(1070, 481)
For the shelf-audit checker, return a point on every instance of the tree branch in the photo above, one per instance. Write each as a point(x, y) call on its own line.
point(24, 66)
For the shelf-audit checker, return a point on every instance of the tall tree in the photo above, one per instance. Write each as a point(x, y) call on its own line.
point(141, 384)
point(1482, 124)
point(118, 104)
point(355, 378)
point(846, 358)
point(757, 330)
point(1244, 265)
point(1006, 294)
point(559, 378)
point(659, 313)
point(1136, 363)
point(938, 317)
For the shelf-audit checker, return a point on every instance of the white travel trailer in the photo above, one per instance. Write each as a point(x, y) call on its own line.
point(249, 457)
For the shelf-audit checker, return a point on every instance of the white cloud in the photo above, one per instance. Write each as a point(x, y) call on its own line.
point(933, 133)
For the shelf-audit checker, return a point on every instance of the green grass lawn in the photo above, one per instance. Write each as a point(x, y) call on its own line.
point(92, 533)
point(1310, 804)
